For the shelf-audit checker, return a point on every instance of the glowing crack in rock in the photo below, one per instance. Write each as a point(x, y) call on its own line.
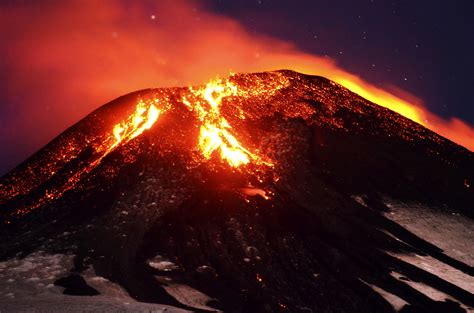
point(139, 123)
point(216, 136)
point(215, 133)
point(143, 118)
point(145, 115)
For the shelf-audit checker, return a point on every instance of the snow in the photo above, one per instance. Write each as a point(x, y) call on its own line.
point(440, 269)
point(28, 276)
point(185, 294)
point(452, 232)
point(27, 284)
point(162, 264)
point(396, 302)
point(431, 292)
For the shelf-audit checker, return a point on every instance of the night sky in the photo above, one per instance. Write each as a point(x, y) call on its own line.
point(59, 60)
point(423, 47)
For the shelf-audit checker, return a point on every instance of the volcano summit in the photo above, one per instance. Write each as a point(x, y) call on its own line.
point(264, 192)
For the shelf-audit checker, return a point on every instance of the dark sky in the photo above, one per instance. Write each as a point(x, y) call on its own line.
point(424, 47)
point(59, 60)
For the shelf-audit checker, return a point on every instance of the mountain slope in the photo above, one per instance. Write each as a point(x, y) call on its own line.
point(265, 192)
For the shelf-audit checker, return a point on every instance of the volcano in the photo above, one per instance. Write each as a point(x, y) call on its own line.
point(262, 192)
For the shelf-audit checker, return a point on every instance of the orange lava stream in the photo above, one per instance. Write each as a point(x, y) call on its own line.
point(215, 133)
point(144, 117)
point(385, 99)
point(180, 48)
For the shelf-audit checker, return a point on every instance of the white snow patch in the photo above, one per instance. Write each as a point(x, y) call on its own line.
point(27, 285)
point(440, 269)
point(185, 294)
point(454, 234)
point(162, 264)
point(429, 291)
point(396, 302)
point(99, 278)
point(27, 276)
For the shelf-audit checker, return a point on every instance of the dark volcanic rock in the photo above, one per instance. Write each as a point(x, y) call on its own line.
point(75, 285)
point(317, 244)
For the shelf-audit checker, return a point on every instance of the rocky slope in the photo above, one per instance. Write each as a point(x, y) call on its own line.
point(262, 192)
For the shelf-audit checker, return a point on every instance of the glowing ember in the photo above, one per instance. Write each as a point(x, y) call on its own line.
point(384, 99)
point(216, 48)
point(215, 133)
point(255, 192)
point(142, 119)
point(223, 110)
point(145, 115)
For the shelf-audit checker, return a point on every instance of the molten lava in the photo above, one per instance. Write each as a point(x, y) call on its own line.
point(145, 115)
point(180, 48)
point(385, 99)
point(137, 123)
point(228, 128)
point(215, 133)
point(215, 138)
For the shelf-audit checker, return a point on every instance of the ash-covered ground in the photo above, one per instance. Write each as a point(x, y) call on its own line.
point(344, 206)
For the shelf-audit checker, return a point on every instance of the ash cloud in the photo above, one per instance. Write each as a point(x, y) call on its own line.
point(63, 59)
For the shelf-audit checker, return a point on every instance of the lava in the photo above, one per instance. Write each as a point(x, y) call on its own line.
point(175, 49)
point(389, 101)
point(215, 133)
point(144, 117)
point(138, 123)
point(223, 111)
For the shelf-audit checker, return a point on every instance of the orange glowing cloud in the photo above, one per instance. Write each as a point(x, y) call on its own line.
point(63, 59)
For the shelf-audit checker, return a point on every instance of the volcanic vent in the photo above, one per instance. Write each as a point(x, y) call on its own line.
point(266, 192)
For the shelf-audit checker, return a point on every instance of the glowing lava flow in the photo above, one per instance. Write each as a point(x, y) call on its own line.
point(145, 115)
point(215, 133)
